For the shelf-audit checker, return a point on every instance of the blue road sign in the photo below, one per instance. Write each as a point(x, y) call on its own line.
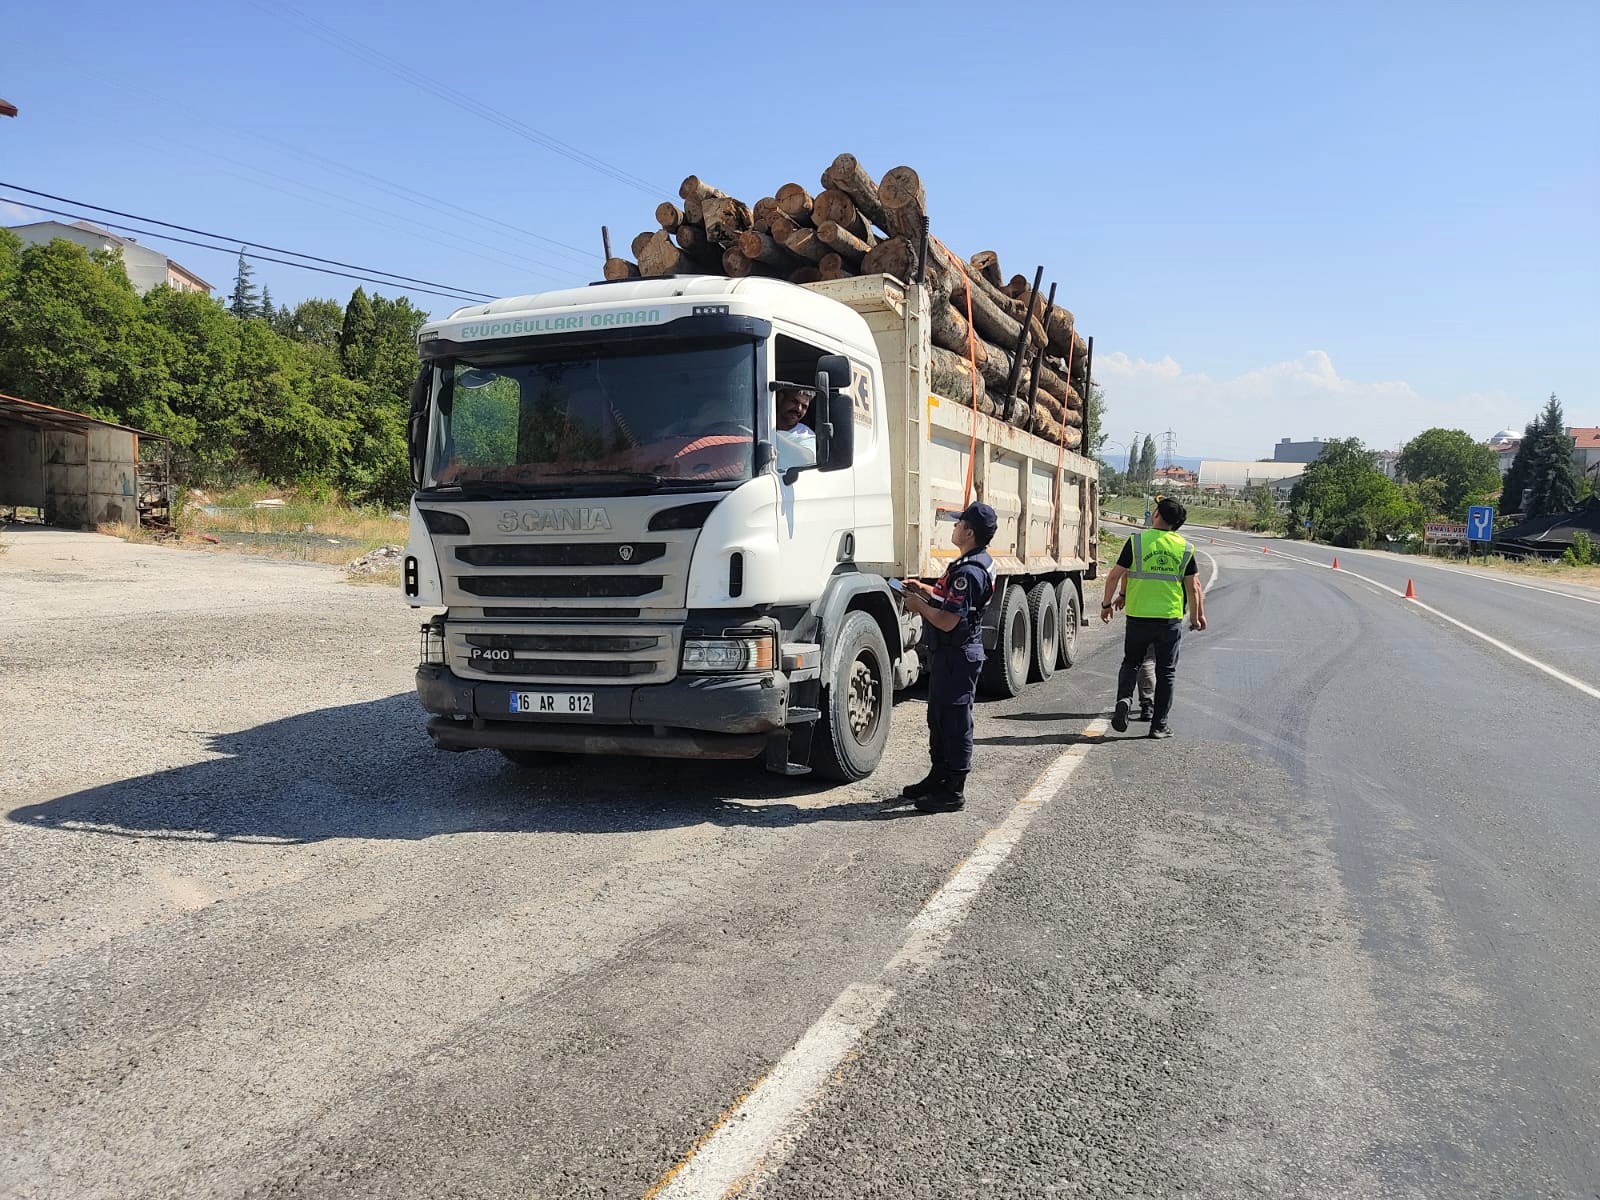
point(1480, 523)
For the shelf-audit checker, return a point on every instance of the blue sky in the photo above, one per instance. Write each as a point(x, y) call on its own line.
point(1355, 219)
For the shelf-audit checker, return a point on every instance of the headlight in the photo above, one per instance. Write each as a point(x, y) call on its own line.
point(728, 654)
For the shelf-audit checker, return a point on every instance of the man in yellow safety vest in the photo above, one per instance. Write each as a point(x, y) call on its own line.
point(1162, 579)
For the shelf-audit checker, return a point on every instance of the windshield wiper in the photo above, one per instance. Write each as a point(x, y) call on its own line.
point(482, 489)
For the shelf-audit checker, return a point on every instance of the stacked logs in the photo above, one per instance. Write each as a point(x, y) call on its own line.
point(998, 343)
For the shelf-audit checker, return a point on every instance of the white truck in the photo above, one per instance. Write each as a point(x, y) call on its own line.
point(633, 559)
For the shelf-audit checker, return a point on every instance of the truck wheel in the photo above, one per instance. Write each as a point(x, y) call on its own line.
point(1046, 622)
point(1069, 620)
point(1005, 671)
point(850, 736)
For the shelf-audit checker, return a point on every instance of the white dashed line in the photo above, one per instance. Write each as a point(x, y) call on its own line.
point(756, 1134)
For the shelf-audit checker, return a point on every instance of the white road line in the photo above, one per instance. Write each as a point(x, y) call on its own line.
point(1570, 681)
point(1468, 573)
point(1212, 559)
point(757, 1133)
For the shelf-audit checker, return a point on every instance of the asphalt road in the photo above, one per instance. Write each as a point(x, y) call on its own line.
point(1336, 938)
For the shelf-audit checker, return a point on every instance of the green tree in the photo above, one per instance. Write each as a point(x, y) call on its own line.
point(243, 302)
point(69, 328)
point(1147, 460)
point(1349, 501)
point(1094, 422)
point(1553, 485)
point(267, 312)
point(312, 322)
point(1264, 514)
point(1460, 467)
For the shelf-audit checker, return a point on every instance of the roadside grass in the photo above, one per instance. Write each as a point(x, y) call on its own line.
point(1131, 508)
point(381, 577)
point(290, 526)
point(1552, 572)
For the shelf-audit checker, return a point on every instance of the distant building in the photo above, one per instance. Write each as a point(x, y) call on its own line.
point(1177, 477)
point(1287, 451)
point(1586, 450)
point(1387, 461)
point(1234, 476)
point(146, 268)
point(1507, 451)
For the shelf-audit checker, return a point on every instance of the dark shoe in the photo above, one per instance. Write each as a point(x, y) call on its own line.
point(1145, 710)
point(1160, 731)
point(1119, 719)
point(951, 796)
point(926, 786)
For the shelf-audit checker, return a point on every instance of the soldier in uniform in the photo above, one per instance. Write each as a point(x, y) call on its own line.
point(952, 611)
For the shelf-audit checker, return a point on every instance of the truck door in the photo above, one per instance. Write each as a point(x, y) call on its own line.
point(817, 511)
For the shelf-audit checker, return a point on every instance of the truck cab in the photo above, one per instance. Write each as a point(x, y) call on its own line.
point(632, 556)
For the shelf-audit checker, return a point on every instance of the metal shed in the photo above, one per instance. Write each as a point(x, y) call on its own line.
point(79, 472)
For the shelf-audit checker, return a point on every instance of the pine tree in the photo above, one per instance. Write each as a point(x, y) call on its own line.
point(1553, 485)
point(243, 303)
point(1147, 460)
point(266, 312)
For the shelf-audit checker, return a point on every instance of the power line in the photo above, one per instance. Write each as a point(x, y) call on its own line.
point(399, 190)
point(241, 242)
point(476, 298)
point(462, 100)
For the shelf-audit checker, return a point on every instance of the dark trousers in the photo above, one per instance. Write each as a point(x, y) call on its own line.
point(1145, 634)
point(952, 681)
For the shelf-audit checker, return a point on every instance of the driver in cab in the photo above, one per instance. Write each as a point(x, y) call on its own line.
point(796, 441)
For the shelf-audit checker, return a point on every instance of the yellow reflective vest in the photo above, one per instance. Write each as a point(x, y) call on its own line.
point(1155, 584)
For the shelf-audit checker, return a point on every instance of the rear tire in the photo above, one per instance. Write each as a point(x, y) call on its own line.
point(850, 737)
point(1005, 670)
point(1046, 621)
point(1071, 620)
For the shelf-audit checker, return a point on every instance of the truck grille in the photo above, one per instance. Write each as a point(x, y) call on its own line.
point(565, 653)
point(568, 554)
point(564, 587)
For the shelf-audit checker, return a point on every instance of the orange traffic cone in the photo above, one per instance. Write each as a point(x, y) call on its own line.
point(1411, 592)
point(1335, 562)
point(1213, 541)
point(1264, 550)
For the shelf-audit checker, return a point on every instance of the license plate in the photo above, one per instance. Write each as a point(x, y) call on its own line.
point(552, 703)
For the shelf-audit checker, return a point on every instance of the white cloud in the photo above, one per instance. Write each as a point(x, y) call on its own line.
point(14, 212)
point(1303, 398)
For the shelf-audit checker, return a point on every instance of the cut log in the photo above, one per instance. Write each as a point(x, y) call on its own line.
point(803, 243)
point(661, 256)
point(1017, 288)
point(781, 227)
point(695, 188)
point(734, 263)
point(761, 213)
point(904, 202)
point(833, 205)
point(987, 264)
point(996, 314)
point(795, 203)
point(949, 328)
point(759, 247)
point(726, 219)
point(849, 177)
point(833, 266)
point(894, 256)
point(643, 240)
point(805, 274)
point(668, 215)
point(1058, 331)
point(705, 254)
point(950, 375)
point(845, 243)
point(621, 268)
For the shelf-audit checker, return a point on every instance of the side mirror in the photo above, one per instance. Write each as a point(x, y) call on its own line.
point(417, 425)
point(836, 430)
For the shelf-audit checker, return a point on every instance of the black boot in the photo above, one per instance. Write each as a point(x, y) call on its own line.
point(1145, 709)
point(951, 796)
point(926, 786)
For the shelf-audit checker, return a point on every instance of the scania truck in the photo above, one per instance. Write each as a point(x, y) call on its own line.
point(630, 556)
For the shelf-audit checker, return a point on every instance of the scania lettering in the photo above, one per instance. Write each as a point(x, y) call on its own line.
point(625, 555)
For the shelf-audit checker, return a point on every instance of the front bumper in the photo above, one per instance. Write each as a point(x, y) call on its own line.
point(694, 716)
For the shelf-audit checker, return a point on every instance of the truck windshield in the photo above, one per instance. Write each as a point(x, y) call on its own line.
point(631, 417)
